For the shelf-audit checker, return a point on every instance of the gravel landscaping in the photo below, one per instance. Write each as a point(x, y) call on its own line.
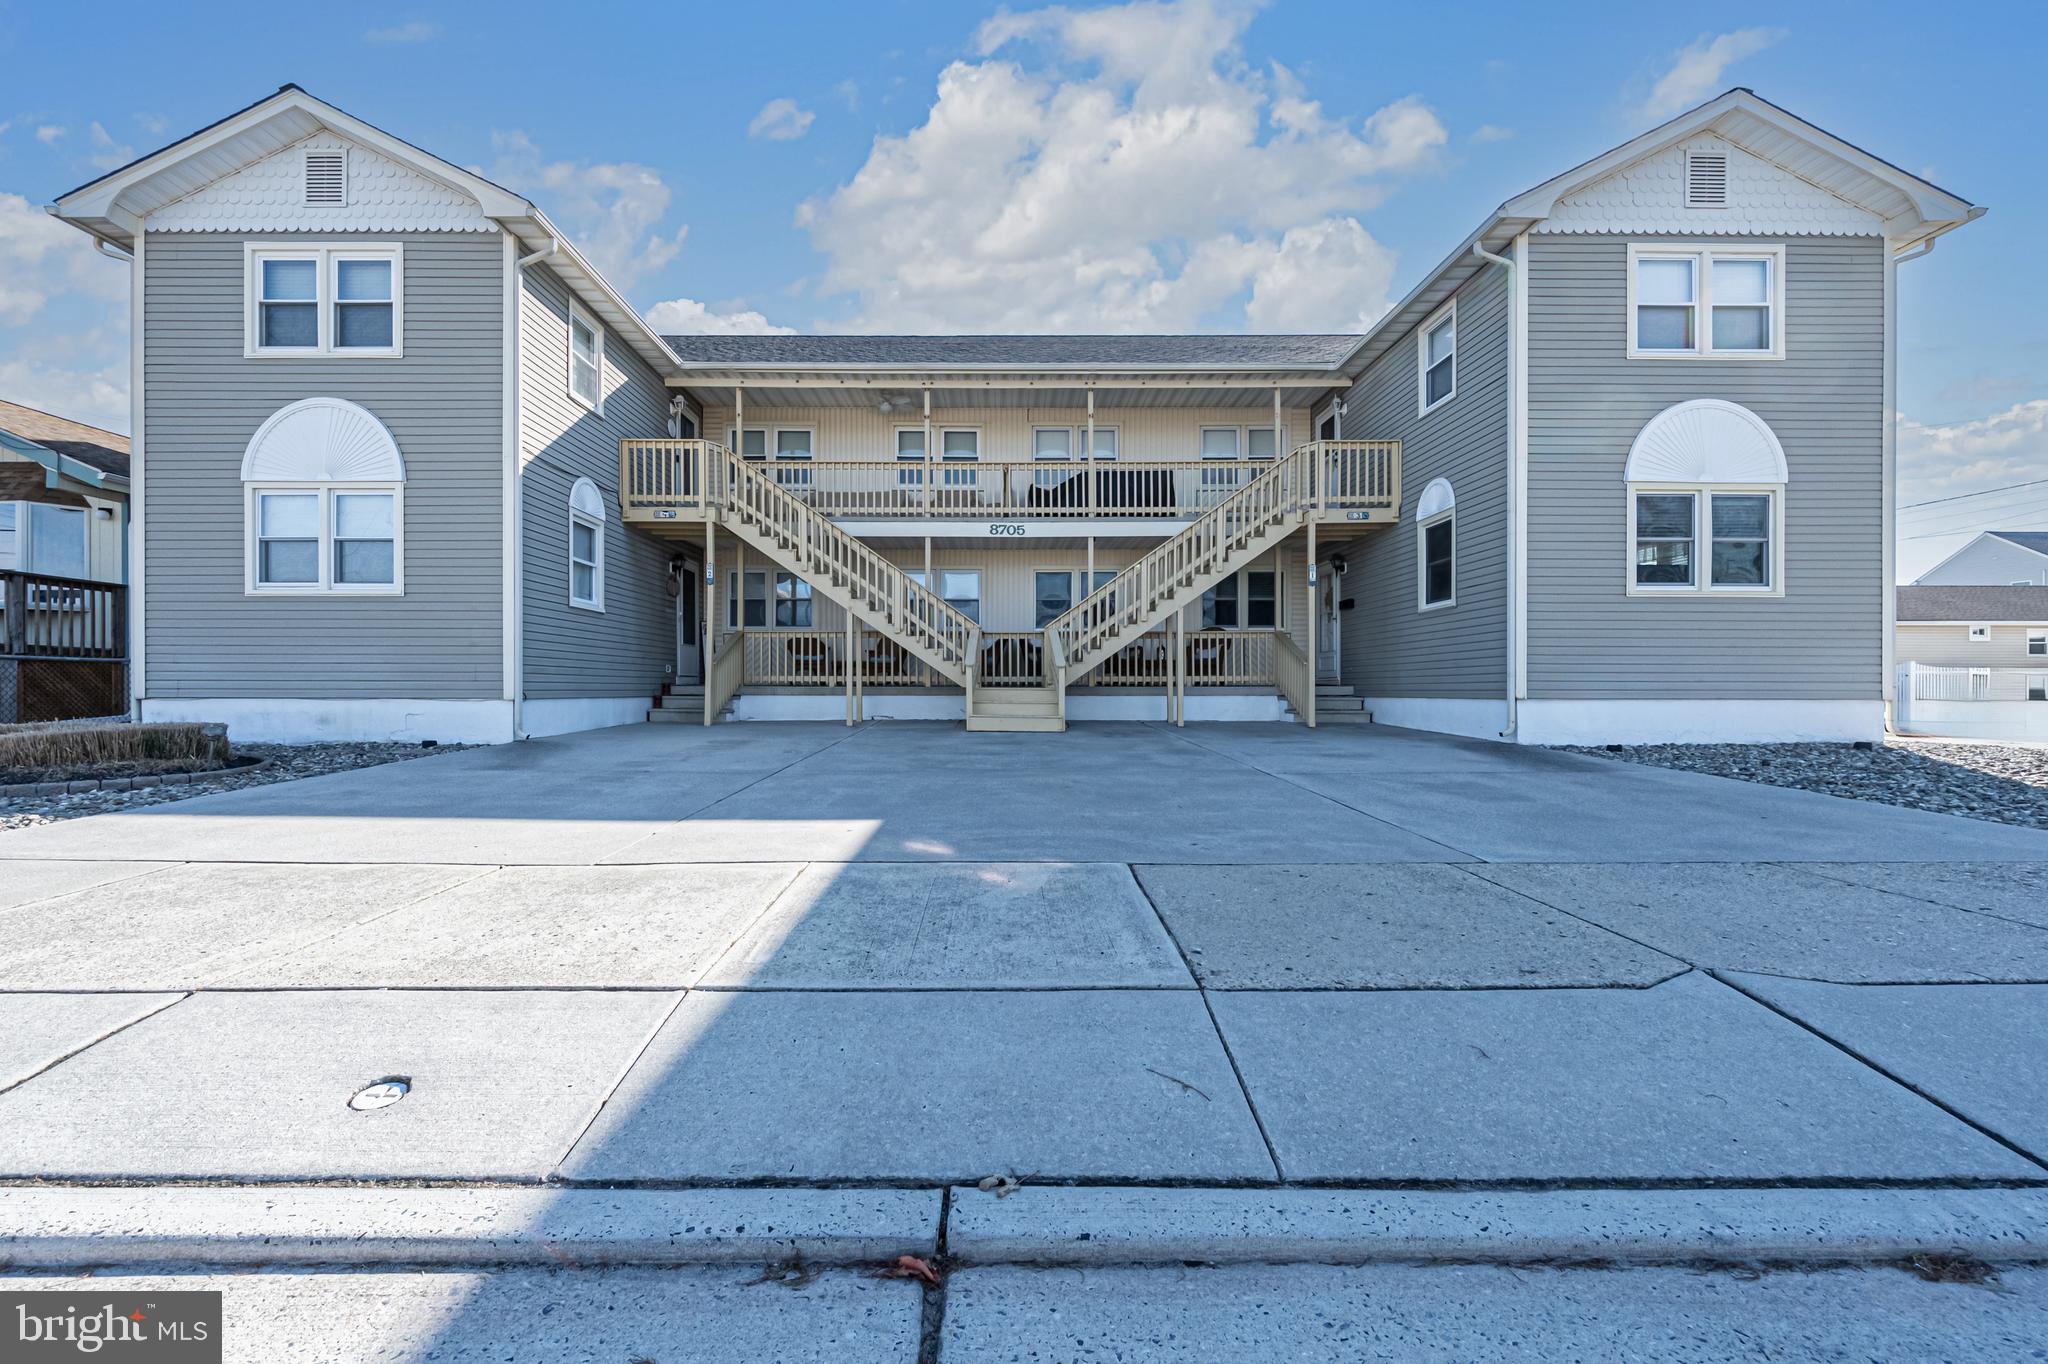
point(2002, 782)
point(286, 762)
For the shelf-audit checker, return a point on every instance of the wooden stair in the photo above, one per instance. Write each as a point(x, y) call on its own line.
point(1337, 705)
point(1033, 709)
point(682, 704)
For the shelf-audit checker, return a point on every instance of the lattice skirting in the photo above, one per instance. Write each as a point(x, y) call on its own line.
point(61, 688)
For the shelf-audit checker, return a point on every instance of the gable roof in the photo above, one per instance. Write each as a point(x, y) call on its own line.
point(2035, 540)
point(1240, 352)
point(1914, 210)
point(61, 445)
point(2022, 605)
point(112, 207)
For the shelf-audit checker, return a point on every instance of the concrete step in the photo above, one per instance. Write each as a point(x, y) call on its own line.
point(676, 717)
point(1330, 705)
point(1016, 724)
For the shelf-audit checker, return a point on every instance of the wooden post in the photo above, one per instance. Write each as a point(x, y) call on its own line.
point(1088, 585)
point(1315, 590)
point(930, 501)
point(851, 670)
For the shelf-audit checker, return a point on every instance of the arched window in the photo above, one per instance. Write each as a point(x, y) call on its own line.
point(586, 546)
point(323, 490)
point(1706, 503)
point(1436, 546)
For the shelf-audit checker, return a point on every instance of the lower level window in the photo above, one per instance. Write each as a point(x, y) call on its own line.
point(1705, 539)
point(1439, 561)
point(324, 539)
point(42, 537)
point(960, 588)
point(1244, 601)
point(792, 602)
point(1057, 591)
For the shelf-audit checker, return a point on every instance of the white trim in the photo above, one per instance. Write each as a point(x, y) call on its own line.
point(1518, 483)
point(588, 512)
point(1978, 634)
point(952, 707)
point(138, 599)
point(325, 586)
point(368, 455)
point(1889, 494)
point(1703, 440)
point(1706, 722)
point(1702, 255)
point(1702, 586)
point(543, 716)
point(1447, 313)
point(308, 720)
point(512, 461)
point(326, 257)
point(575, 316)
point(1472, 719)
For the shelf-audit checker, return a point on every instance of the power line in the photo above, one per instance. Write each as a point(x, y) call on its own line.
point(1985, 518)
point(1986, 492)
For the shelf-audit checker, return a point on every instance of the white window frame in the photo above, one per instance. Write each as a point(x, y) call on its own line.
point(736, 599)
point(1241, 596)
point(1447, 313)
point(1074, 443)
point(1703, 257)
point(252, 586)
point(577, 315)
point(2037, 644)
point(596, 524)
point(1702, 585)
point(325, 255)
point(25, 537)
point(1448, 516)
point(940, 571)
point(1979, 634)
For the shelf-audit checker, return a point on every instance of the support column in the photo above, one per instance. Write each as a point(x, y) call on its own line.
point(930, 501)
point(1315, 589)
point(710, 604)
point(1088, 584)
point(852, 670)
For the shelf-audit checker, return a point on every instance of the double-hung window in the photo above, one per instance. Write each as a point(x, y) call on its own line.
point(1057, 590)
point(41, 537)
point(793, 456)
point(960, 588)
point(751, 443)
point(1436, 359)
point(2037, 643)
point(792, 602)
point(334, 539)
point(960, 446)
point(1052, 442)
point(586, 546)
point(1715, 540)
point(1244, 601)
point(323, 299)
point(1439, 574)
point(1721, 301)
point(910, 456)
point(586, 362)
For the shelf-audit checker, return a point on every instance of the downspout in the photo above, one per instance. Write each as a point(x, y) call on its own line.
point(1516, 457)
point(545, 253)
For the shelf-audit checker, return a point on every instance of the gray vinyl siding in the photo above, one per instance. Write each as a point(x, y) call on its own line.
point(626, 649)
point(1950, 646)
point(1390, 647)
point(442, 403)
point(1587, 401)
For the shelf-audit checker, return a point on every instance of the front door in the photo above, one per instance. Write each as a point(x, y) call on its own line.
point(690, 626)
point(1329, 646)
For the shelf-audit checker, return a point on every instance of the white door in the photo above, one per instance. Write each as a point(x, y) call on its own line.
point(1329, 645)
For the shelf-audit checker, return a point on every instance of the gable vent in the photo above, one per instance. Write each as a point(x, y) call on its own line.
point(1706, 180)
point(327, 178)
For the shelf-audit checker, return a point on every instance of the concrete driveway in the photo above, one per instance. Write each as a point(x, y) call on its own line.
point(1256, 961)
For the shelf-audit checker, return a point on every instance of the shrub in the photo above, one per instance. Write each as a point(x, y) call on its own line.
point(39, 752)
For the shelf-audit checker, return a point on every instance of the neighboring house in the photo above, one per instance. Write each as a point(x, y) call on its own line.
point(1996, 558)
point(63, 525)
point(1973, 661)
point(63, 497)
point(1619, 468)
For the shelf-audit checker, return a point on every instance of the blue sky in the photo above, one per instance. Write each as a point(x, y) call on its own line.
point(1192, 166)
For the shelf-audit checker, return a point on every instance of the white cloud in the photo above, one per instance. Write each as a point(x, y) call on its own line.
point(1491, 132)
point(612, 210)
point(96, 396)
point(41, 259)
point(1975, 456)
point(781, 120)
point(415, 31)
point(1138, 175)
point(1696, 70)
point(108, 154)
point(153, 124)
point(49, 133)
point(63, 319)
point(688, 317)
point(848, 92)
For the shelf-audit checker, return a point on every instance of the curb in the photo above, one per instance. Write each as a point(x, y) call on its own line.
point(25, 789)
point(57, 1227)
point(1096, 1226)
point(69, 1227)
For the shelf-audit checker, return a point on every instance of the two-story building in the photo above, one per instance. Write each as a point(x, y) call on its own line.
point(1620, 467)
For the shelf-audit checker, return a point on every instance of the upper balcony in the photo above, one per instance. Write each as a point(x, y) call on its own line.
point(663, 481)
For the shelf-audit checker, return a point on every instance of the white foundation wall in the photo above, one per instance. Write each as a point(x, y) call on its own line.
point(1232, 706)
point(1699, 722)
point(294, 720)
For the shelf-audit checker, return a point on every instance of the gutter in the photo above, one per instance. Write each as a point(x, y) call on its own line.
point(1517, 463)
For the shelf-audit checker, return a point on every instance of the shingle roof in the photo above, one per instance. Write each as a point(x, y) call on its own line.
point(923, 352)
point(2036, 540)
point(2024, 604)
point(103, 450)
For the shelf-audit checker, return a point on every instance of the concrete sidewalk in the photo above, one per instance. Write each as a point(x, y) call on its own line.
point(1227, 961)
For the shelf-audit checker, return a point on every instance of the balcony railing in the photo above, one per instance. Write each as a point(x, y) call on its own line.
point(817, 658)
point(662, 480)
point(48, 617)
